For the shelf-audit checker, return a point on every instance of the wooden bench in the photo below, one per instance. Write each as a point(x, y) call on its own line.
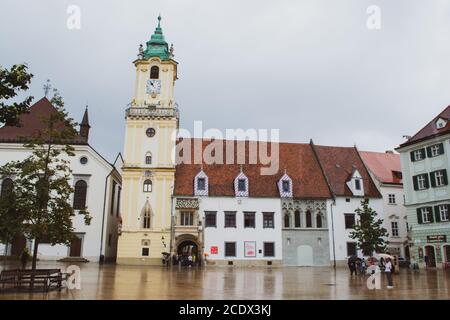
point(45, 278)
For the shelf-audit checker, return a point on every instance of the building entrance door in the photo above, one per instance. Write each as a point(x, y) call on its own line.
point(429, 252)
point(75, 247)
point(447, 253)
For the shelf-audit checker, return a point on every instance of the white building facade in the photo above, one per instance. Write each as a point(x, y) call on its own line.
point(97, 184)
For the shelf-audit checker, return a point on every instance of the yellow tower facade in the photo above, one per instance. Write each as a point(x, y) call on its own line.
point(149, 168)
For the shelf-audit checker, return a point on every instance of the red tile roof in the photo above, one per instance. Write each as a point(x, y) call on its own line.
point(384, 166)
point(339, 164)
point(298, 160)
point(31, 124)
point(430, 130)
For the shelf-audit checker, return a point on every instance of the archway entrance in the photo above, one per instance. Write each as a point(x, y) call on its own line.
point(431, 257)
point(447, 253)
point(187, 251)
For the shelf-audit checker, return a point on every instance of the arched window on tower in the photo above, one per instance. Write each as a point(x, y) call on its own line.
point(7, 185)
point(79, 197)
point(287, 222)
point(146, 214)
point(148, 185)
point(154, 72)
point(319, 220)
point(308, 219)
point(297, 223)
point(148, 158)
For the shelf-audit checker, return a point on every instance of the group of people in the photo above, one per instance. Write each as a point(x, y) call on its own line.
point(361, 266)
point(188, 260)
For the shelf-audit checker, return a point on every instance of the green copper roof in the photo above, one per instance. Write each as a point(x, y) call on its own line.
point(157, 46)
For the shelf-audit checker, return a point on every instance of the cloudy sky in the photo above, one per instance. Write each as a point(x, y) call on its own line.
point(310, 68)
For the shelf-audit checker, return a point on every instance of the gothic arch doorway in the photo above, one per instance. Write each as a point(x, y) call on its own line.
point(188, 252)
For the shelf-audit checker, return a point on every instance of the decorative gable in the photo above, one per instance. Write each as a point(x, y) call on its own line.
point(355, 184)
point(285, 186)
point(441, 123)
point(201, 184)
point(241, 185)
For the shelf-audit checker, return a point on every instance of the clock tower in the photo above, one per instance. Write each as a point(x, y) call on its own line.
point(149, 170)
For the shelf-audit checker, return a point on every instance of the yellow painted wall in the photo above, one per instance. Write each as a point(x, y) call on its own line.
point(162, 170)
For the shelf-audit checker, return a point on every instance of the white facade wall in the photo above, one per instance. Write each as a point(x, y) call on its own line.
point(394, 213)
point(341, 234)
point(219, 235)
point(95, 173)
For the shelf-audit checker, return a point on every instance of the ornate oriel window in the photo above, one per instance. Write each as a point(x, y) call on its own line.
point(79, 197)
point(154, 72)
point(148, 185)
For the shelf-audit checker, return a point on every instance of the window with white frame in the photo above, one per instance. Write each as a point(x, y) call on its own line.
point(394, 228)
point(357, 184)
point(186, 218)
point(241, 185)
point(443, 212)
point(392, 199)
point(425, 215)
point(147, 186)
point(421, 182)
point(439, 178)
point(418, 155)
point(435, 150)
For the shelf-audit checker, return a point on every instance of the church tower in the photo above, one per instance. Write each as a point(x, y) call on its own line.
point(149, 170)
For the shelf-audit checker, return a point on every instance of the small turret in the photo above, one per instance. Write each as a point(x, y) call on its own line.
point(84, 126)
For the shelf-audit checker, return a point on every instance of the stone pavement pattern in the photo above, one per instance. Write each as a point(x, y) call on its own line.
point(148, 283)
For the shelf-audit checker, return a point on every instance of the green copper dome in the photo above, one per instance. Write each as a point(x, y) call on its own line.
point(157, 45)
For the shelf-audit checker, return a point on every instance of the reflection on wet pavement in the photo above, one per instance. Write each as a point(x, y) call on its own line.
point(133, 282)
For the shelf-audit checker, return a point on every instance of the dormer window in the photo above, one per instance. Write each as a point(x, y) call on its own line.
point(201, 184)
point(357, 184)
point(441, 123)
point(285, 186)
point(241, 185)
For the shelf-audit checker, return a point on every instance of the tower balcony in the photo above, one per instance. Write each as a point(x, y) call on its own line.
point(151, 112)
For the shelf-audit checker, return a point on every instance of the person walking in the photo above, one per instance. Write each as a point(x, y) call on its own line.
point(351, 265)
point(388, 271)
point(363, 266)
point(194, 260)
point(24, 256)
point(190, 260)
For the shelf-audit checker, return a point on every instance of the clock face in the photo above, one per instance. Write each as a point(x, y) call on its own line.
point(153, 86)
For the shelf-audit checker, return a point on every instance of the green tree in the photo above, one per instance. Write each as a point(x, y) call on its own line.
point(11, 221)
point(13, 81)
point(369, 231)
point(42, 187)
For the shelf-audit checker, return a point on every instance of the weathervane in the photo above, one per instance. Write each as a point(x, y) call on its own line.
point(47, 87)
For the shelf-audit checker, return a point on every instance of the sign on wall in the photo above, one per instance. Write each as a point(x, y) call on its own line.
point(214, 250)
point(437, 238)
point(250, 249)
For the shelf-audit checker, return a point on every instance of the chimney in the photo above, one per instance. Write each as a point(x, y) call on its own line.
point(389, 152)
point(84, 126)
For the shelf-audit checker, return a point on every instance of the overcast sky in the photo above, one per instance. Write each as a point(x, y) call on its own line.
point(310, 68)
